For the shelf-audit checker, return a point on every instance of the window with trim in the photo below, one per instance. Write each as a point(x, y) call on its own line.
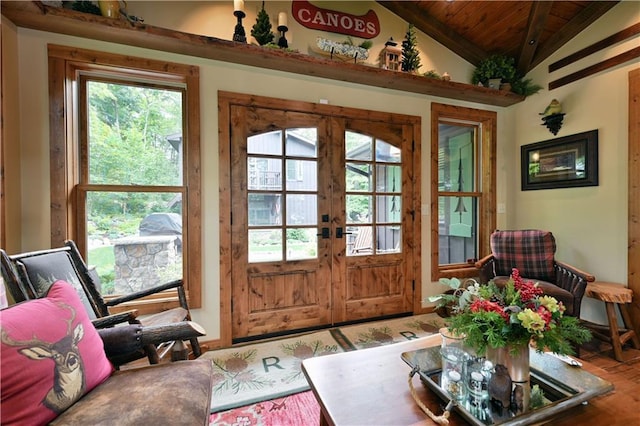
point(125, 169)
point(463, 142)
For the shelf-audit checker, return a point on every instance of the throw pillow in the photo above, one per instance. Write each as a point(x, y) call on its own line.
point(51, 356)
point(531, 251)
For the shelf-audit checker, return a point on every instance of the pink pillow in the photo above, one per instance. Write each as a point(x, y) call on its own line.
point(51, 356)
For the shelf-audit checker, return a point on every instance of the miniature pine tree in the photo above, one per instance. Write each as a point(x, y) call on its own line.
point(410, 54)
point(261, 30)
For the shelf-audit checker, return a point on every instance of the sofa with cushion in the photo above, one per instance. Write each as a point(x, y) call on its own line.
point(56, 368)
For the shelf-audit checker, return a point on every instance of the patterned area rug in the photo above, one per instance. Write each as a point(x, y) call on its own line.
point(387, 332)
point(266, 370)
point(269, 370)
point(300, 409)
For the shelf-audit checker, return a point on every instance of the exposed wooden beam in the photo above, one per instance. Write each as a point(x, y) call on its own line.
point(586, 17)
point(437, 30)
point(538, 16)
point(600, 66)
point(602, 44)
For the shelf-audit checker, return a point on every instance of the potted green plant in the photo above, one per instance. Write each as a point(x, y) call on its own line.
point(493, 70)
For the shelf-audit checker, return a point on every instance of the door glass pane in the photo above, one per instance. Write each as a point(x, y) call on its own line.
point(302, 209)
point(264, 209)
point(134, 239)
point(302, 142)
point(302, 175)
point(269, 143)
point(360, 241)
point(388, 179)
point(264, 173)
point(359, 209)
point(359, 177)
point(135, 135)
point(302, 243)
point(387, 152)
point(388, 239)
point(457, 229)
point(265, 245)
point(358, 146)
point(388, 208)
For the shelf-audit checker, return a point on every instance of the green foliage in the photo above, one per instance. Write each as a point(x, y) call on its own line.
point(432, 74)
point(525, 86)
point(261, 30)
point(410, 54)
point(495, 66)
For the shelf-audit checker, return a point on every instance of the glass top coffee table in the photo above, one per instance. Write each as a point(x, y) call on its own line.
point(563, 386)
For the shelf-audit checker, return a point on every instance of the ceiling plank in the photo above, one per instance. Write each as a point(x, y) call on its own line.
point(537, 19)
point(437, 30)
point(582, 20)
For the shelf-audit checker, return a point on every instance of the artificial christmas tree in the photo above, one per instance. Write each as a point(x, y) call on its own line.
point(410, 54)
point(261, 31)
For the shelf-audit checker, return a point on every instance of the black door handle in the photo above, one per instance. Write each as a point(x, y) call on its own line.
point(340, 233)
point(325, 233)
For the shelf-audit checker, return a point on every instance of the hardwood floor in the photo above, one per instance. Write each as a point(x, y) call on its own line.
point(601, 354)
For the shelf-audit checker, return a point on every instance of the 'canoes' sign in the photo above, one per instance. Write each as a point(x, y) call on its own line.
point(310, 16)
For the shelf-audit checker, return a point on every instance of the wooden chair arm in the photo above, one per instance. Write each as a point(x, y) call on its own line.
point(585, 275)
point(115, 319)
point(486, 268)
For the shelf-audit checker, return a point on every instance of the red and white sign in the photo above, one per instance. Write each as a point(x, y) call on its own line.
point(310, 16)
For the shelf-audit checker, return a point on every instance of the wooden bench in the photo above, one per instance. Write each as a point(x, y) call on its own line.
point(613, 294)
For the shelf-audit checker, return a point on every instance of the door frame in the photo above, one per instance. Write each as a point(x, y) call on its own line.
point(225, 101)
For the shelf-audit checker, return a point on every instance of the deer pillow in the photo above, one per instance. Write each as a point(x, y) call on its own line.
point(51, 356)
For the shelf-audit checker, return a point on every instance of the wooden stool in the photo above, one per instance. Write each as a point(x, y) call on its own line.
point(614, 294)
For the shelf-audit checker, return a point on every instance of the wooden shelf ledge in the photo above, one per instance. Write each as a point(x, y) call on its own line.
point(35, 15)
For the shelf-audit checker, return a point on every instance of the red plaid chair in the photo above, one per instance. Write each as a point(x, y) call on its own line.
point(532, 253)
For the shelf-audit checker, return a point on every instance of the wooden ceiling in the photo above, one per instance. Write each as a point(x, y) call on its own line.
point(529, 31)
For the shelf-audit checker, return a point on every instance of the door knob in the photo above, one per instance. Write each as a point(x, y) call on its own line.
point(325, 233)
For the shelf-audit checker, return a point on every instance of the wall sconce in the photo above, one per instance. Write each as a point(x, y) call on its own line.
point(282, 27)
point(238, 12)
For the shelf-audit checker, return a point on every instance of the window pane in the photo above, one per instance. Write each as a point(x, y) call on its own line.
point(359, 177)
point(302, 243)
point(264, 173)
point(457, 229)
point(456, 160)
point(134, 239)
point(389, 239)
point(302, 209)
point(265, 245)
point(265, 143)
point(135, 135)
point(358, 146)
point(359, 209)
point(388, 179)
point(302, 142)
point(387, 152)
point(264, 209)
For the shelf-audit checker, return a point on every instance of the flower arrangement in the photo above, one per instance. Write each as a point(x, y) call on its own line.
point(514, 315)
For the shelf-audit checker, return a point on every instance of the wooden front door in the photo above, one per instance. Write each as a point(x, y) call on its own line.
point(322, 218)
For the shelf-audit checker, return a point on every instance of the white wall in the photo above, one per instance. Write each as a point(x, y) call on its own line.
point(570, 214)
point(590, 224)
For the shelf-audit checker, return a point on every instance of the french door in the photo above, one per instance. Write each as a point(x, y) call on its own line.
point(322, 219)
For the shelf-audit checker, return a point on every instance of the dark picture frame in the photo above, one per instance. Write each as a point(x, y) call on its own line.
point(567, 162)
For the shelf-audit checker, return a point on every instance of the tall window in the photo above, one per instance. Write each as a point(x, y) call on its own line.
point(129, 191)
point(463, 188)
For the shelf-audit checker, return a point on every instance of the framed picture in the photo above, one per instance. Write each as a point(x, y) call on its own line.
point(565, 162)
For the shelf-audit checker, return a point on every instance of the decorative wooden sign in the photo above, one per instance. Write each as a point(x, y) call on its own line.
point(309, 16)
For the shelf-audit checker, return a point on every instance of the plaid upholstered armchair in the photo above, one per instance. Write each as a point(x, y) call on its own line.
point(532, 252)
